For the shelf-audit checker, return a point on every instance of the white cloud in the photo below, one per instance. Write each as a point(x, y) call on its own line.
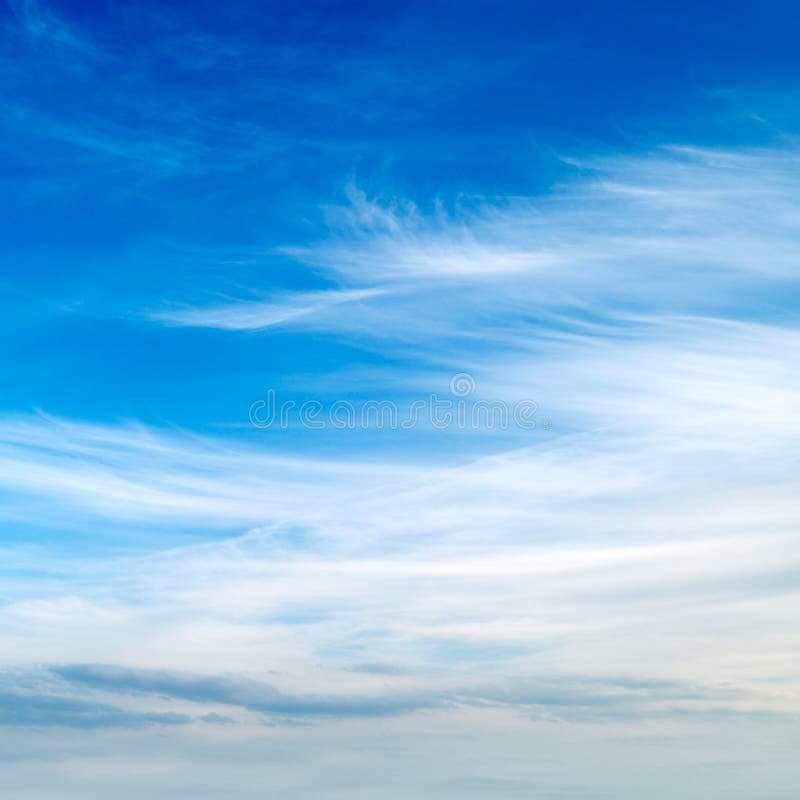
point(655, 220)
point(652, 533)
point(243, 315)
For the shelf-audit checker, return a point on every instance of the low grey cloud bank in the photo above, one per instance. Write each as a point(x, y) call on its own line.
point(248, 694)
point(47, 710)
point(565, 698)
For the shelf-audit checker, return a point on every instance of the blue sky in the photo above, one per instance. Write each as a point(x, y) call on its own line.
point(586, 211)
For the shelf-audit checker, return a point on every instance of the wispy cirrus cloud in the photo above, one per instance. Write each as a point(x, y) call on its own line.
point(611, 547)
point(682, 229)
point(662, 503)
point(194, 607)
point(676, 230)
point(305, 308)
point(42, 25)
